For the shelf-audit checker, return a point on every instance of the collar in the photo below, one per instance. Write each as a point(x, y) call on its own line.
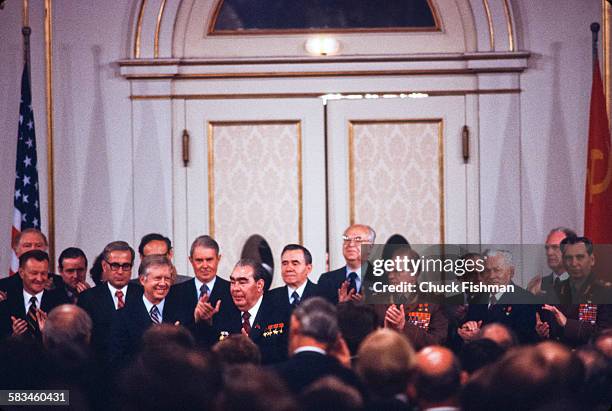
point(27, 296)
point(348, 270)
point(309, 348)
point(563, 276)
point(113, 290)
point(148, 305)
point(300, 290)
point(209, 284)
point(253, 311)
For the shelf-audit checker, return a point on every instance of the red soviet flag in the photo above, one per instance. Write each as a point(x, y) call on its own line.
point(598, 198)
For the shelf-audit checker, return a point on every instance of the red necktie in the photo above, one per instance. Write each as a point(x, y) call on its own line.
point(246, 326)
point(120, 302)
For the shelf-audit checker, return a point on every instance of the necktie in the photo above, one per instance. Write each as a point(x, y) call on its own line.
point(120, 302)
point(352, 281)
point(557, 285)
point(154, 313)
point(203, 290)
point(492, 301)
point(246, 326)
point(31, 318)
point(295, 299)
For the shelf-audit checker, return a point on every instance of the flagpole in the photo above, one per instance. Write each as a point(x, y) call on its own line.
point(50, 167)
point(26, 31)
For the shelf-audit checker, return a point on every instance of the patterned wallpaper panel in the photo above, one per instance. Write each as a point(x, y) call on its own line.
point(256, 186)
point(396, 178)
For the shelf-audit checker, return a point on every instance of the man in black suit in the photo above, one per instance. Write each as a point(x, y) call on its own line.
point(256, 316)
point(344, 284)
point(72, 264)
point(26, 240)
point(548, 287)
point(515, 309)
point(206, 287)
point(103, 301)
point(314, 341)
point(296, 265)
point(155, 276)
point(24, 313)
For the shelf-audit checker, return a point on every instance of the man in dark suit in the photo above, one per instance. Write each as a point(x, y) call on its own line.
point(515, 309)
point(206, 286)
point(548, 287)
point(26, 240)
point(155, 275)
point(344, 284)
point(586, 308)
point(72, 264)
point(314, 339)
point(24, 313)
point(296, 265)
point(256, 316)
point(103, 301)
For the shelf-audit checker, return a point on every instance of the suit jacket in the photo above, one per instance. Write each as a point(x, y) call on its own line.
point(98, 302)
point(269, 331)
point(305, 367)
point(280, 296)
point(183, 298)
point(549, 294)
point(13, 306)
point(330, 282)
point(128, 328)
point(515, 310)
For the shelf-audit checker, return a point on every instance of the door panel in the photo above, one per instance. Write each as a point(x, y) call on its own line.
point(257, 168)
point(397, 165)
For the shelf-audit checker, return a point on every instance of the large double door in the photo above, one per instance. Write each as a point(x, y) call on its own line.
point(295, 171)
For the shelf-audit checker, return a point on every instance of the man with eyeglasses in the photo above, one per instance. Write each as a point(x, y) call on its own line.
point(103, 301)
point(344, 284)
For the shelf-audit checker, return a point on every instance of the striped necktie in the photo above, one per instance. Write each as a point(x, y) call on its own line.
point(295, 299)
point(203, 290)
point(154, 313)
point(120, 302)
point(31, 318)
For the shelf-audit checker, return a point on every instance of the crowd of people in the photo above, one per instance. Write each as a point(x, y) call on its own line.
point(166, 341)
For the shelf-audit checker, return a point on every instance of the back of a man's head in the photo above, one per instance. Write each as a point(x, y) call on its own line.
point(385, 365)
point(67, 324)
point(253, 388)
point(437, 378)
point(318, 320)
point(237, 349)
point(476, 354)
point(329, 393)
point(356, 322)
point(165, 335)
point(500, 334)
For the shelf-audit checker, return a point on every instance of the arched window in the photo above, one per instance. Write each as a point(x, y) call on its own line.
point(257, 248)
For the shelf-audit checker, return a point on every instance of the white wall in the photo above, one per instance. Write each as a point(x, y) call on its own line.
point(93, 139)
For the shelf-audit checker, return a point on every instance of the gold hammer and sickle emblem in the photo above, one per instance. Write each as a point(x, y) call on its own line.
point(600, 187)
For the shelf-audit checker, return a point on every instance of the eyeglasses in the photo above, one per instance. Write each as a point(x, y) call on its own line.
point(117, 266)
point(356, 240)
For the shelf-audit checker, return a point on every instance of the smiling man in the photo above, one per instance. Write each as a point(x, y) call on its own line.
point(155, 276)
point(296, 265)
point(23, 313)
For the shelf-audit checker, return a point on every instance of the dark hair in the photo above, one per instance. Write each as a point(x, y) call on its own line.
point(37, 255)
point(153, 237)
point(291, 247)
point(117, 246)
point(259, 273)
point(204, 241)
point(478, 353)
point(237, 349)
point(71, 252)
point(573, 239)
point(95, 272)
point(356, 321)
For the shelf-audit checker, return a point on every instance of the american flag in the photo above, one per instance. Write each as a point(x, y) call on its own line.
point(26, 213)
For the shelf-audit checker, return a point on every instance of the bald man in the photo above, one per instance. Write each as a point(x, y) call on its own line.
point(438, 379)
